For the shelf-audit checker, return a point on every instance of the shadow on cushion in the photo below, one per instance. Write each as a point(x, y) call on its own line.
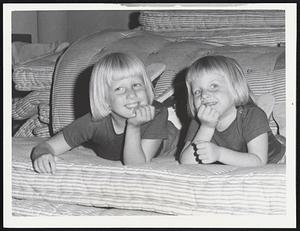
point(81, 93)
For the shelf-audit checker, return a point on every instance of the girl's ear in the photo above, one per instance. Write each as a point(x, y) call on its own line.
point(154, 70)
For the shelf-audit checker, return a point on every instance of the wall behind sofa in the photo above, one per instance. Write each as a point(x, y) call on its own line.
point(50, 26)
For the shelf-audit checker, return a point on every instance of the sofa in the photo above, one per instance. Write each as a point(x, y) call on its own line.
point(85, 184)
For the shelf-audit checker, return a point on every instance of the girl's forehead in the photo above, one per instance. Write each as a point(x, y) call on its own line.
point(209, 76)
point(126, 77)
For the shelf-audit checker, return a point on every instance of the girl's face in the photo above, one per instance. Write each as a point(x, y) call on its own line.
point(127, 94)
point(212, 89)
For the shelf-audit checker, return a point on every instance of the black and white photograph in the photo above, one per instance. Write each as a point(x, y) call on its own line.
point(149, 115)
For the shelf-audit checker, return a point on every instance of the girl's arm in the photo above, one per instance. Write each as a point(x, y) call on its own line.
point(137, 150)
point(257, 153)
point(204, 133)
point(43, 154)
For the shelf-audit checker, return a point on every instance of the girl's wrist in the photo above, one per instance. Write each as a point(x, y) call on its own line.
point(40, 150)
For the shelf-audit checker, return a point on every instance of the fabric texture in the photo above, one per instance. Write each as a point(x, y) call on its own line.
point(35, 74)
point(219, 27)
point(33, 127)
point(210, 19)
point(106, 143)
point(162, 186)
point(34, 208)
point(24, 108)
point(73, 70)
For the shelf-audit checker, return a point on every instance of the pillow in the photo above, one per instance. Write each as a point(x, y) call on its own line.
point(162, 186)
point(199, 20)
point(23, 108)
point(36, 208)
point(266, 103)
point(33, 127)
point(74, 69)
point(35, 74)
point(271, 83)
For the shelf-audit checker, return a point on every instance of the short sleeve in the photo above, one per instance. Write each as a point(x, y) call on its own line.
point(192, 130)
point(158, 127)
point(80, 131)
point(255, 123)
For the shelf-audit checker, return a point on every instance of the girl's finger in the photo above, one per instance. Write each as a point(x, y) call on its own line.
point(36, 167)
point(46, 166)
point(148, 112)
point(204, 161)
point(202, 156)
point(40, 166)
point(152, 109)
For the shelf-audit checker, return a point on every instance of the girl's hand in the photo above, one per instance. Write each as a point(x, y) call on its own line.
point(207, 152)
point(143, 114)
point(45, 164)
point(208, 116)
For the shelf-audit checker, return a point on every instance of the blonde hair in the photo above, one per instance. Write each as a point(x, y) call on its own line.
point(225, 66)
point(114, 66)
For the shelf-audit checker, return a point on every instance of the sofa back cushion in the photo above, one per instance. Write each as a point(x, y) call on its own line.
point(70, 88)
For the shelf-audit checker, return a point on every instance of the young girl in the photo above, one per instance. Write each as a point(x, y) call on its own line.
point(227, 126)
point(125, 124)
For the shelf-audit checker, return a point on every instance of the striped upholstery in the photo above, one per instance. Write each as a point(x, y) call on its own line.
point(27, 106)
point(33, 127)
point(70, 87)
point(35, 74)
point(35, 208)
point(162, 186)
point(181, 20)
point(273, 83)
point(223, 27)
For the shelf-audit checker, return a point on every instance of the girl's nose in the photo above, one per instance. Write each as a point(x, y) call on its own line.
point(205, 94)
point(131, 93)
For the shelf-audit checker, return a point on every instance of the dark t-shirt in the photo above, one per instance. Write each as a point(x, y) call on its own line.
point(250, 122)
point(105, 142)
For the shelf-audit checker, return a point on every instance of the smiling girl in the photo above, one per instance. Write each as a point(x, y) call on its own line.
point(227, 127)
point(125, 124)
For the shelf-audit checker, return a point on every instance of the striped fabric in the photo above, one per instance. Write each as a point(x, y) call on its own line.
point(251, 59)
point(25, 107)
point(274, 84)
point(77, 61)
point(182, 20)
point(33, 127)
point(35, 74)
point(231, 38)
point(34, 208)
point(74, 67)
point(162, 186)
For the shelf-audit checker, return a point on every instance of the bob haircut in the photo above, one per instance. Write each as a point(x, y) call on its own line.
point(114, 66)
point(225, 66)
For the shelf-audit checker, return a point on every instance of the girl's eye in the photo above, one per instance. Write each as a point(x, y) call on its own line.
point(214, 86)
point(197, 92)
point(137, 85)
point(119, 89)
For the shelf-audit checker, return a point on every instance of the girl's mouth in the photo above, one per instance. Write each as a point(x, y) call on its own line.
point(132, 105)
point(209, 103)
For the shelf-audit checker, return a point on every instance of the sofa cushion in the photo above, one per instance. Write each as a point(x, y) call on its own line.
point(162, 186)
point(71, 80)
point(23, 108)
point(35, 74)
